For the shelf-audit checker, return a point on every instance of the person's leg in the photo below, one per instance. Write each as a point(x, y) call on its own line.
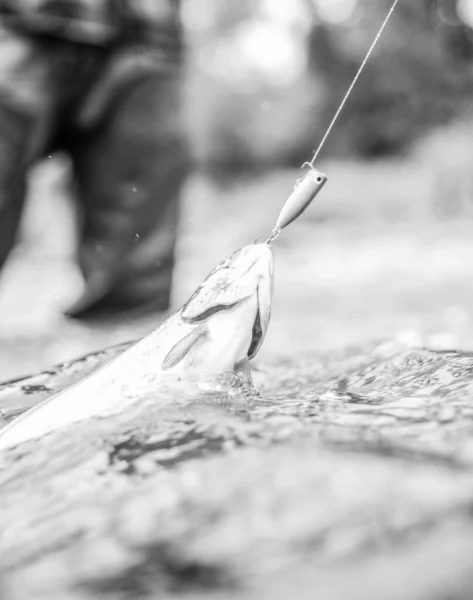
point(129, 169)
point(26, 114)
point(13, 135)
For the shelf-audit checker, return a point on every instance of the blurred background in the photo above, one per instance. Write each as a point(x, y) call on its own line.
point(386, 249)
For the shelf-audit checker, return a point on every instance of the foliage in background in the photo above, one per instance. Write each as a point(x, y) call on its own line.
point(266, 76)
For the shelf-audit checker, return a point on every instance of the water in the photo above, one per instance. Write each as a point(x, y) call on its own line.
point(341, 462)
point(392, 400)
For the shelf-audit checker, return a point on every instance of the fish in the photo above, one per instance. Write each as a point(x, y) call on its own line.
point(219, 329)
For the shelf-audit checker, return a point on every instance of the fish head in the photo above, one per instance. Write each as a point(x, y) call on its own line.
point(245, 274)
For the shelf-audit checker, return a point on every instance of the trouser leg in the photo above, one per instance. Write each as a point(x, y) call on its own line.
point(13, 134)
point(26, 109)
point(129, 170)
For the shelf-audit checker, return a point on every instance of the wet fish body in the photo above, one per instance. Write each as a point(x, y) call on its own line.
point(219, 329)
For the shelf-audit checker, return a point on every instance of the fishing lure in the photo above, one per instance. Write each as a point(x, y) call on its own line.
point(305, 190)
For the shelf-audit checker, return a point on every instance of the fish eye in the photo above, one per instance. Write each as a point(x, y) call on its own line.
point(319, 179)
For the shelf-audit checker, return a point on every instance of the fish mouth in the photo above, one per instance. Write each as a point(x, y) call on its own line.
point(264, 293)
point(234, 281)
point(257, 336)
point(194, 320)
point(257, 332)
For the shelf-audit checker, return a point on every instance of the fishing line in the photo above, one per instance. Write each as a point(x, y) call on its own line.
point(312, 182)
point(353, 83)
